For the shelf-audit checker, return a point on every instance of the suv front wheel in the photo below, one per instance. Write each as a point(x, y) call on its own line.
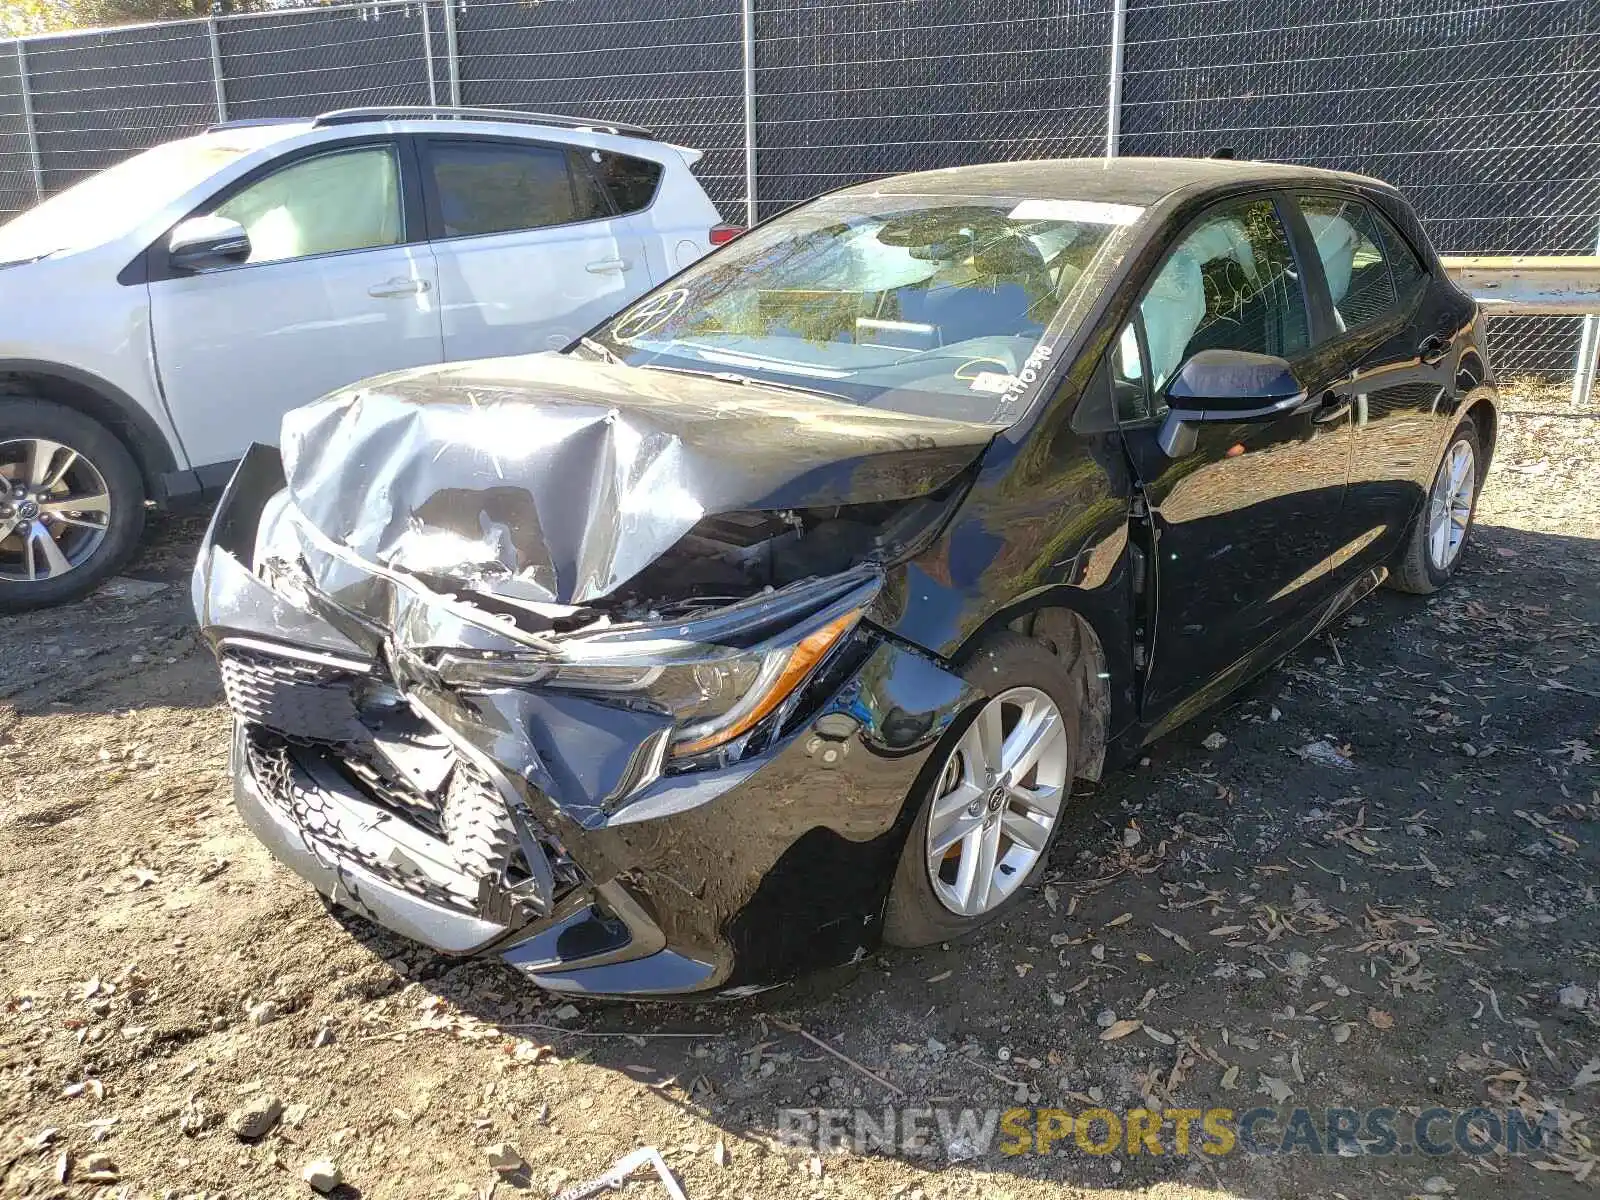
point(71, 503)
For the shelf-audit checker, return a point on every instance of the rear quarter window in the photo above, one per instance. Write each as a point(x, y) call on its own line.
point(632, 182)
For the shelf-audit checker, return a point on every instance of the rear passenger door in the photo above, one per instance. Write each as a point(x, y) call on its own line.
point(1379, 353)
point(531, 250)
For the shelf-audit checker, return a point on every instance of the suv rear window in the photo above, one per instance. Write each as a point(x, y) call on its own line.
point(632, 182)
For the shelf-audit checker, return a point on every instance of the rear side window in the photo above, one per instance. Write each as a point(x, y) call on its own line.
point(1403, 262)
point(496, 187)
point(1366, 272)
point(632, 182)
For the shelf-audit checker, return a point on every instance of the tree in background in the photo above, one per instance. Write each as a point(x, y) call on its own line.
point(18, 17)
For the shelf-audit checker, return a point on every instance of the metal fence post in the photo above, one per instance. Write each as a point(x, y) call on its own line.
point(451, 52)
point(748, 15)
point(26, 89)
point(427, 54)
point(1119, 29)
point(1583, 370)
point(216, 68)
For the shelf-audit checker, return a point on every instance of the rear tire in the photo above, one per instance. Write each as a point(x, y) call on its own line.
point(1029, 687)
point(87, 544)
point(1432, 553)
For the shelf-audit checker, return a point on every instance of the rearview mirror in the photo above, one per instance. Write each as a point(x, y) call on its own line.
point(206, 242)
point(1226, 385)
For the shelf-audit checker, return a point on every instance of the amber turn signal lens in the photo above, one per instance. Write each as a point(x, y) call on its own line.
point(803, 658)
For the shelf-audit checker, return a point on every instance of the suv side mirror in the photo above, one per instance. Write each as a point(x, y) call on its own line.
point(1230, 386)
point(201, 243)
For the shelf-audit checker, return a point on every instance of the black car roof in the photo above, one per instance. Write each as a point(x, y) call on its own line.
point(1141, 181)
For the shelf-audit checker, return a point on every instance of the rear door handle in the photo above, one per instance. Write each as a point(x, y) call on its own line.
point(1433, 348)
point(398, 287)
point(1334, 407)
point(608, 264)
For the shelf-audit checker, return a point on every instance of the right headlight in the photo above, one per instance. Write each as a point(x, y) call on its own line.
point(720, 699)
point(713, 700)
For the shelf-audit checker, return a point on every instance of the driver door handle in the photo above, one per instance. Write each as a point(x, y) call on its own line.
point(1333, 407)
point(398, 287)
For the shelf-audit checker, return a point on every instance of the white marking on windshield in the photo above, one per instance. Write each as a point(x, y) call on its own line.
point(1090, 212)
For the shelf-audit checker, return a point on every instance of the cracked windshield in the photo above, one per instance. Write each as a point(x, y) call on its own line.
point(938, 305)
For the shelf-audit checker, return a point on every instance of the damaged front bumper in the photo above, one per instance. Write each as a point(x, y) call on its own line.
point(413, 758)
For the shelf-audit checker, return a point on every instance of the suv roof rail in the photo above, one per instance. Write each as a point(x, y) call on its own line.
point(407, 112)
point(251, 123)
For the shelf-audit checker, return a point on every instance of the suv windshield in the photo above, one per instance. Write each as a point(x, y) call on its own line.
point(113, 202)
point(939, 305)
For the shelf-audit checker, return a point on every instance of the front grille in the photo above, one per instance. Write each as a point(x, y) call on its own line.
point(302, 699)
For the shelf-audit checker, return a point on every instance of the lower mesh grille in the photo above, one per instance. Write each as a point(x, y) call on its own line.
point(311, 724)
point(284, 781)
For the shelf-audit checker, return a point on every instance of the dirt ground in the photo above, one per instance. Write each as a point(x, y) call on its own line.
point(1375, 888)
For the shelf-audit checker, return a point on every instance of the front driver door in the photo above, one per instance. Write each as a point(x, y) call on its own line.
point(333, 291)
point(1245, 522)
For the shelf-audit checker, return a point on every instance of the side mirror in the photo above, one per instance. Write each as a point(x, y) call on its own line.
point(1230, 386)
point(201, 243)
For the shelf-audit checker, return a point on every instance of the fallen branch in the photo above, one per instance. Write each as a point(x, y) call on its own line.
point(840, 1055)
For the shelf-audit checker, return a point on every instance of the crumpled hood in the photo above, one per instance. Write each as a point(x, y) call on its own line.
point(554, 479)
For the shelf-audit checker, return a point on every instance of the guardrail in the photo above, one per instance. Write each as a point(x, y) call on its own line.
point(1530, 285)
point(1539, 285)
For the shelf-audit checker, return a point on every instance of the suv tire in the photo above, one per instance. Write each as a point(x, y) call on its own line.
point(89, 462)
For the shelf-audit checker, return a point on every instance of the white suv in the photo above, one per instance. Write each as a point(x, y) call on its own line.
point(159, 317)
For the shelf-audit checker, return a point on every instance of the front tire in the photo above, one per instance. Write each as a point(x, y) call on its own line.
point(1438, 538)
point(71, 504)
point(993, 797)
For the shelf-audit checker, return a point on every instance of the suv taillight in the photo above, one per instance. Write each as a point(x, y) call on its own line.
point(721, 235)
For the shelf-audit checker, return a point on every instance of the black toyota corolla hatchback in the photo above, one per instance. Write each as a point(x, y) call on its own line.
point(778, 616)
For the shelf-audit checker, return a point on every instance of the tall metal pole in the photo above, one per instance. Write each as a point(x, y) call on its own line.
point(27, 120)
point(427, 54)
point(1119, 27)
point(216, 68)
point(748, 15)
point(450, 52)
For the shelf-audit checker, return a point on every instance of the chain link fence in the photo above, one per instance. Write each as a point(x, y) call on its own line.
point(1486, 113)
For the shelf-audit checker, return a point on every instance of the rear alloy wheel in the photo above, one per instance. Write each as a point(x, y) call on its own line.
point(1433, 548)
point(993, 797)
point(71, 504)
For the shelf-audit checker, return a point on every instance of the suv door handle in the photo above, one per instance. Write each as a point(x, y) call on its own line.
point(1333, 407)
point(1433, 348)
point(398, 287)
point(608, 264)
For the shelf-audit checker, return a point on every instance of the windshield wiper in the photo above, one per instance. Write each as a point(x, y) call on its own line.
point(746, 381)
point(607, 356)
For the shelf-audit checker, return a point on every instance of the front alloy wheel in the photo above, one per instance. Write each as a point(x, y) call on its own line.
point(997, 801)
point(55, 509)
point(991, 799)
point(71, 503)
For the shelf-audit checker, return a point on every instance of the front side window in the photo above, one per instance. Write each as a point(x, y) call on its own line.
point(940, 305)
point(497, 187)
point(1355, 261)
point(348, 200)
point(1230, 284)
